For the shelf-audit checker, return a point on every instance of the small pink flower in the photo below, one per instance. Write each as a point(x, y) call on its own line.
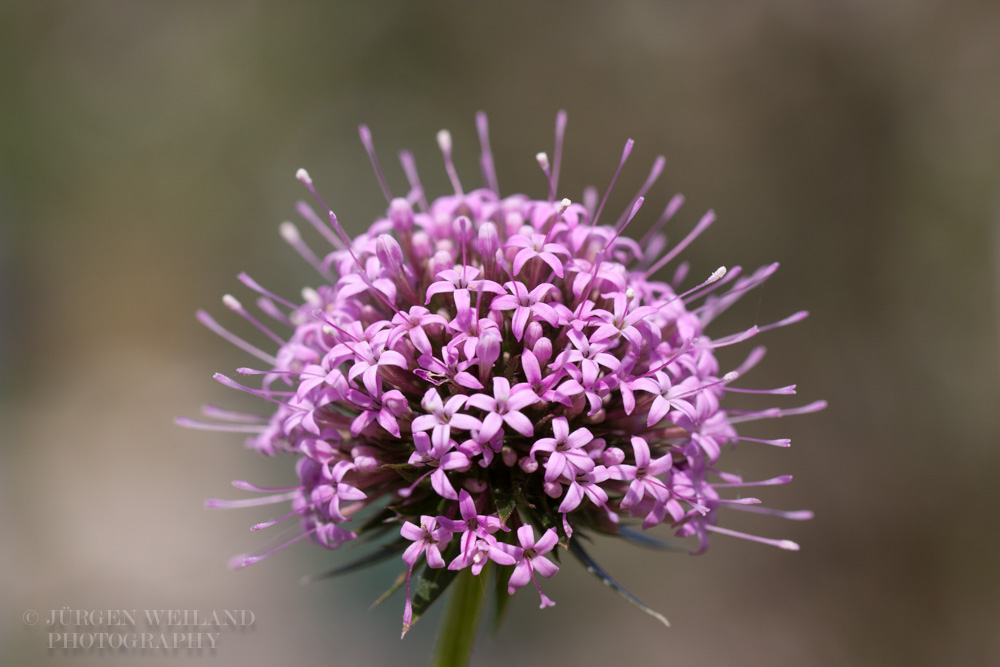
point(530, 558)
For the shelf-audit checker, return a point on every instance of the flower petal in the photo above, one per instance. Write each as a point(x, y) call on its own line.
point(520, 423)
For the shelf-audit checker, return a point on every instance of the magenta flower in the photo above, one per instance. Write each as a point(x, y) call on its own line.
point(487, 366)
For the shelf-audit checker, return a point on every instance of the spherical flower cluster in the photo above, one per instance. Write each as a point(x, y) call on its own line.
point(481, 379)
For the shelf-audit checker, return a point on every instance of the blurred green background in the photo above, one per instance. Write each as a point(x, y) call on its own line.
point(147, 153)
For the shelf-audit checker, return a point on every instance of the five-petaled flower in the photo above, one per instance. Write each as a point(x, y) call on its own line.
point(504, 407)
point(530, 558)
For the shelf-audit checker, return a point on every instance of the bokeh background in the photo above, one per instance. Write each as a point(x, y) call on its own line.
point(147, 153)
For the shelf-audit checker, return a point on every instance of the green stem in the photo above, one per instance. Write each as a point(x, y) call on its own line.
point(461, 621)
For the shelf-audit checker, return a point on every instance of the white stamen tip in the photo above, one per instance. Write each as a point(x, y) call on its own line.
point(543, 160)
point(309, 295)
point(564, 204)
point(730, 376)
point(444, 141)
point(303, 176)
point(289, 232)
point(630, 294)
point(240, 562)
point(329, 331)
point(231, 303)
point(718, 274)
point(788, 545)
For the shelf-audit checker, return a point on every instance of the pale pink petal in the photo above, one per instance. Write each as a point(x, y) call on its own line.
point(544, 566)
point(519, 423)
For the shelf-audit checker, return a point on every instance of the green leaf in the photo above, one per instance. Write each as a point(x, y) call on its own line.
point(430, 504)
point(400, 580)
point(408, 472)
point(371, 533)
point(383, 553)
point(644, 540)
point(577, 550)
point(375, 526)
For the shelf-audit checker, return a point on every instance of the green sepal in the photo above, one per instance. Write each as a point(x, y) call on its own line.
point(505, 502)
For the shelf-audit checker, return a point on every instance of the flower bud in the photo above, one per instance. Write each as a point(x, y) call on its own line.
point(488, 242)
point(508, 455)
point(474, 485)
point(612, 456)
point(488, 348)
point(401, 214)
point(532, 334)
point(389, 254)
point(542, 349)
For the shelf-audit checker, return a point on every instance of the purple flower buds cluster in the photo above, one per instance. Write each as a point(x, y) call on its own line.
point(480, 379)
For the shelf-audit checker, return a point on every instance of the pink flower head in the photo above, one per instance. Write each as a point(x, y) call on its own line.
point(482, 365)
